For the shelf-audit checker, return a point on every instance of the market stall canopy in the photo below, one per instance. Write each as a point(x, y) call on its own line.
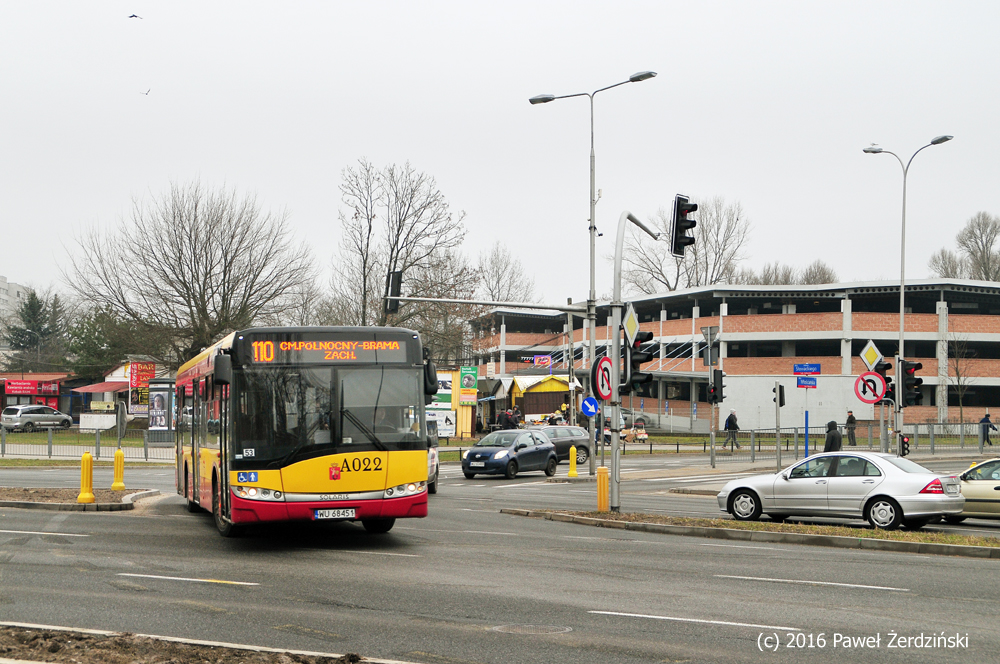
point(109, 386)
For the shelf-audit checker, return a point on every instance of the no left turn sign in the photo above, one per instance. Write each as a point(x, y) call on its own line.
point(870, 387)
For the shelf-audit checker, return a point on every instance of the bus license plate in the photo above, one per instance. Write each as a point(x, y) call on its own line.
point(335, 514)
point(477, 464)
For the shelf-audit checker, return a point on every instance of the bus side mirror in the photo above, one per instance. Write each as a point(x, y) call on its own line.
point(430, 379)
point(223, 369)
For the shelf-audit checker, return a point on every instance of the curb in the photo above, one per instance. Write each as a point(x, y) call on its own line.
point(193, 642)
point(128, 503)
point(835, 541)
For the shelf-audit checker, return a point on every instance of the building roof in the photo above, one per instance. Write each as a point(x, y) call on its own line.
point(42, 377)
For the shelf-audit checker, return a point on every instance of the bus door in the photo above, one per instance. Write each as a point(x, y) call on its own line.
point(197, 437)
point(224, 507)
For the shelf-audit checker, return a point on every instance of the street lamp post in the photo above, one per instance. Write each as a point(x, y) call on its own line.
point(900, 388)
point(592, 298)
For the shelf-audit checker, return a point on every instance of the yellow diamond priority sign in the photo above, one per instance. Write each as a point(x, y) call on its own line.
point(630, 324)
point(870, 355)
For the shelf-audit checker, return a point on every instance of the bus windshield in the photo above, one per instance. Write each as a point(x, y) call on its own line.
point(286, 414)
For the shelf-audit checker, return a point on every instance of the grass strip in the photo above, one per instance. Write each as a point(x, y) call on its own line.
point(792, 527)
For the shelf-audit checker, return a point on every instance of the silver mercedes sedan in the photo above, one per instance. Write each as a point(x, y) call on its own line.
point(887, 490)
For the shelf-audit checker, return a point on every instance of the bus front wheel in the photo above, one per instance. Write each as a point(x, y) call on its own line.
point(378, 525)
point(226, 528)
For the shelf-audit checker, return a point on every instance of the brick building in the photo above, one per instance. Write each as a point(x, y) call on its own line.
point(951, 326)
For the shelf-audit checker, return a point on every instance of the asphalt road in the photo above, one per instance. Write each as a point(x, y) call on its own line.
point(468, 584)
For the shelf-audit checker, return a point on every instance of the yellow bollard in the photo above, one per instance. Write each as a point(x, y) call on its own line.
point(572, 461)
point(119, 482)
point(86, 479)
point(603, 490)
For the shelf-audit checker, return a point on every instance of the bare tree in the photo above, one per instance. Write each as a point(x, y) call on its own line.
point(398, 220)
point(720, 237)
point(947, 264)
point(502, 278)
point(959, 354)
point(977, 241)
point(978, 255)
point(772, 274)
point(193, 262)
point(818, 272)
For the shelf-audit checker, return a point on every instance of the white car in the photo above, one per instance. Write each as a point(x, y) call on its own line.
point(884, 489)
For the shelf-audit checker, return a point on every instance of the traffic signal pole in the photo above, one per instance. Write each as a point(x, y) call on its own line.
point(616, 354)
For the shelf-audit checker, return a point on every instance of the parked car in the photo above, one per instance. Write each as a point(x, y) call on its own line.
point(564, 437)
point(884, 489)
point(632, 418)
point(981, 488)
point(27, 417)
point(510, 452)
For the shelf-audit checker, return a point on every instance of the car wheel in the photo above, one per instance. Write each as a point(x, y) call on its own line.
point(225, 528)
point(582, 454)
point(29, 427)
point(745, 506)
point(378, 526)
point(550, 467)
point(915, 524)
point(432, 486)
point(469, 476)
point(954, 519)
point(511, 471)
point(67, 424)
point(884, 513)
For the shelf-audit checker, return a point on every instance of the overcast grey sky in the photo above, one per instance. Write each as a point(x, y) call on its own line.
point(767, 103)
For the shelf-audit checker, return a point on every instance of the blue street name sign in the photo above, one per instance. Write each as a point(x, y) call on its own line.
point(589, 406)
point(806, 382)
point(805, 369)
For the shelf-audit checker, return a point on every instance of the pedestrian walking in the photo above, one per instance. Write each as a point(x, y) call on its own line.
point(731, 428)
point(986, 426)
point(833, 438)
point(851, 423)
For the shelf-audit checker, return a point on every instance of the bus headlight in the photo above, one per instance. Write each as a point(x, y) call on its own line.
point(411, 489)
point(255, 493)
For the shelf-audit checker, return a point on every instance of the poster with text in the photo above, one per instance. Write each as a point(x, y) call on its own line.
point(468, 391)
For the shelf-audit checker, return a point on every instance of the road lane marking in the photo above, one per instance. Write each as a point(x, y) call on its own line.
point(469, 509)
point(812, 583)
point(180, 578)
point(696, 620)
point(744, 546)
point(477, 532)
point(386, 553)
point(35, 532)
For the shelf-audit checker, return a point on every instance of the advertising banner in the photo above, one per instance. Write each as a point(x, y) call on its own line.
point(445, 420)
point(159, 408)
point(442, 400)
point(31, 387)
point(139, 374)
point(469, 386)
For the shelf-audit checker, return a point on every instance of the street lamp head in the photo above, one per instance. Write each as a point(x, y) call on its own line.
point(643, 75)
point(542, 99)
point(872, 150)
point(941, 139)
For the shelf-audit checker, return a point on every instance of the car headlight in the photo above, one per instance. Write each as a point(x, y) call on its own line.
point(501, 454)
point(465, 454)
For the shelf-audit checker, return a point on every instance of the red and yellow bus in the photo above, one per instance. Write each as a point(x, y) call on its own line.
point(305, 424)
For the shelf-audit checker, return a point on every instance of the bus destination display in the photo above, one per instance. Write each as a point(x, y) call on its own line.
point(320, 351)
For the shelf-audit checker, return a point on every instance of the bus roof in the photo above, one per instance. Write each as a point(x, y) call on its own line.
point(200, 363)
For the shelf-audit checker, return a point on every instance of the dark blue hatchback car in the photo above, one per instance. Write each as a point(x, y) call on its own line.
point(510, 452)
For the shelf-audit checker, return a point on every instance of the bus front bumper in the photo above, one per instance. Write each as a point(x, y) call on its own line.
point(256, 511)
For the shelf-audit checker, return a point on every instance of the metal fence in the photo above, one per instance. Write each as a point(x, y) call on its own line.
point(71, 443)
point(751, 446)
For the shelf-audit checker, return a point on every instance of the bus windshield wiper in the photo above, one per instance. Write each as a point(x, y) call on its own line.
point(369, 434)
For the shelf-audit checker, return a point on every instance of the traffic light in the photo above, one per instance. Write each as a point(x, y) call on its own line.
point(779, 398)
point(911, 395)
point(635, 357)
point(395, 285)
point(679, 237)
point(890, 392)
point(904, 445)
point(715, 394)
